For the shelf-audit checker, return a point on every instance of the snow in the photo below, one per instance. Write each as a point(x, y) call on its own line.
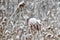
point(49, 34)
point(32, 20)
point(38, 21)
point(21, 26)
point(17, 36)
point(2, 8)
point(25, 17)
point(21, 2)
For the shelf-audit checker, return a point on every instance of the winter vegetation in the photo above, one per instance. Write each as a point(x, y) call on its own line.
point(29, 19)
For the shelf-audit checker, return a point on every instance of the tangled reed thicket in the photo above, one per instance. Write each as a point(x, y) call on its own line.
point(29, 19)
